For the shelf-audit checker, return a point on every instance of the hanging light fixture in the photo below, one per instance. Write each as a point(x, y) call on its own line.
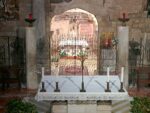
point(67, 0)
point(59, 1)
point(56, 1)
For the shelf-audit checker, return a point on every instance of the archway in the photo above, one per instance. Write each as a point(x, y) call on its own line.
point(74, 37)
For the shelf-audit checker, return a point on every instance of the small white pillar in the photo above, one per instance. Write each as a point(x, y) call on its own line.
point(123, 50)
point(32, 82)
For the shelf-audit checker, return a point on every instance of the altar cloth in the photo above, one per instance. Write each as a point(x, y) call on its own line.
point(70, 88)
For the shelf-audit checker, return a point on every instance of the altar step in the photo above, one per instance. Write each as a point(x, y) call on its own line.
point(121, 106)
point(117, 106)
point(42, 106)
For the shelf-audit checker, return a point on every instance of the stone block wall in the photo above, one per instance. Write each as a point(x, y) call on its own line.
point(105, 11)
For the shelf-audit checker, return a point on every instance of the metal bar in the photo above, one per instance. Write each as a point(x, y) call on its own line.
point(8, 51)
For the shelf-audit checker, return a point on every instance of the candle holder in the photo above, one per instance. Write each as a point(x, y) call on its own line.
point(82, 87)
point(107, 89)
point(82, 83)
point(123, 19)
point(43, 87)
point(57, 88)
point(30, 20)
point(121, 87)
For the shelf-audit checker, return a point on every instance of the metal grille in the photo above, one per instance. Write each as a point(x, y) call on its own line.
point(12, 51)
point(108, 58)
point(139, 56)
point(66, 51)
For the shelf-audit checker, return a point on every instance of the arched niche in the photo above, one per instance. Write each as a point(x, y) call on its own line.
point(74, 27)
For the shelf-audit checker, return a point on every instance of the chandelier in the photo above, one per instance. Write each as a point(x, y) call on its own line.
point(59, 1)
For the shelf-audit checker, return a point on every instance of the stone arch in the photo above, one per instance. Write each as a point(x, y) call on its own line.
point(75, 10)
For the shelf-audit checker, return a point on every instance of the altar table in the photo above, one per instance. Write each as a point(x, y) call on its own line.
point(70, 88)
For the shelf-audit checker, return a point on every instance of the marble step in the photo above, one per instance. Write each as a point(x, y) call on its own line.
point(117, 106)
point(121, 106)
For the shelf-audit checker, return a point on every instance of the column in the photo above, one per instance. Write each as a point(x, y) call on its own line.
point(123, 49)
point(39, 12)
point(31, 58)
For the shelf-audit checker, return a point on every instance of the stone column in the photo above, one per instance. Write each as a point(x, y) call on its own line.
point(98, 47)
point(39, 13)
point(123, 50)
point(31, 58)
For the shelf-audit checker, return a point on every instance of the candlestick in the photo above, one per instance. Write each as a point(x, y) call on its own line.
point(122, 73)
point(43, 87)
point(107, 88)
point(42, 71)
point(30, 20)
point(107, 74)
point(121, 87)
point(57, 87)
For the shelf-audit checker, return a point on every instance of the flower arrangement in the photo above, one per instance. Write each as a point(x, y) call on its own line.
point(108, 40)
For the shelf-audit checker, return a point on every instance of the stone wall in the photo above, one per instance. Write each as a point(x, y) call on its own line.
point(106, 12)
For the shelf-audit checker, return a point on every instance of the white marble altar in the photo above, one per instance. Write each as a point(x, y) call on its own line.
point(70, 88)
point(71, 100)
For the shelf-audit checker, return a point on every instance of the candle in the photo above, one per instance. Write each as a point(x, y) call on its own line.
point(30, 16)
point(42, 71)
point(124, 15)
point(107, 74)
point(122, 73)
point(57, 74)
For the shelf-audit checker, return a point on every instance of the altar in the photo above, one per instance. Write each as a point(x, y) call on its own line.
point(70, 88)
point(70, 99)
